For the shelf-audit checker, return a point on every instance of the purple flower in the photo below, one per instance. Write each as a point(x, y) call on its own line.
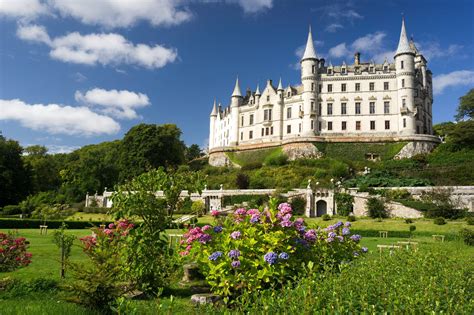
point(302, 242)
point(235, 264)
point(346, 231)
point(340, 238)
point(218, 229)
point(253, 212)
point(284, 208)
point(236, 235)
point(347, 224)
point(283, 255)
point(310, 235)
point(330, 239)
point(255, 218)
point(330, 228)
point(332, 235)
point(338, 224)
point(365, 249)
point(215, 255)
point(355, 237)
point(240, 211)
point(356, 254)
point(204, 238)
point(271, 258)
point(286, 223)
point(234, 253)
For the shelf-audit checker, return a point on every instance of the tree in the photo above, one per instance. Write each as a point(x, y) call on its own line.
point(193, 152)
point(466, 106)
point(344, 203)
point(44, 168)
point(376, 208)
point(15, 181)
point(146, 147)
point(242, 181)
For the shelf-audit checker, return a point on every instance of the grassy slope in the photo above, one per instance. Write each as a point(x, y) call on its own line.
point(252, 157)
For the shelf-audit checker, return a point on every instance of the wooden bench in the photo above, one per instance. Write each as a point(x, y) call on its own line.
point(43, 229)
point(413, 245)
point(383, 234)
point(174, 239)
point(437, 237)
point(389, 247)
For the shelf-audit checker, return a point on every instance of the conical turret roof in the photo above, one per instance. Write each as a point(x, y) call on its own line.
point(280, 86)
point(309, 51)
point(237, 92)
point(214, 109)
point(257, 92)
point(403, 43)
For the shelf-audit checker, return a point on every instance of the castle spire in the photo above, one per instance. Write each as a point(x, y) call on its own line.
point(237, 92)
point(280, 86)
point(403, 43)
point(309, 51)
point(257, 92)
point(214, 109)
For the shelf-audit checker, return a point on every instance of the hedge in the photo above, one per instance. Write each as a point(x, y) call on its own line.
point(53, 224)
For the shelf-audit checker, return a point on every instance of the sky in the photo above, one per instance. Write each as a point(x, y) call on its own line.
point(74, 73)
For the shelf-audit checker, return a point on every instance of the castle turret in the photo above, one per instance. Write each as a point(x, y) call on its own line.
point(309, 77)
point(212, 125)
point(236, 101)
point(257, 95)
point(281, 108)
point(405, 69)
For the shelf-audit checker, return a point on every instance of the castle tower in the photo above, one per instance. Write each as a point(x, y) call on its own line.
point(257, 95)
point(405, 70)
point(236, 101)
point(281, 108)
point(212, 125)
point(309, 79)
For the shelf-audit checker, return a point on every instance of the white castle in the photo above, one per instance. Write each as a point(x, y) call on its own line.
point(362, 102)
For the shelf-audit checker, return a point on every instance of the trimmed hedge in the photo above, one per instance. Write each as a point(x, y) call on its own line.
point(34, 224)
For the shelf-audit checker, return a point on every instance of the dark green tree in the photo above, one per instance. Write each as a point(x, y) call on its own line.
point(466, 106)
point(193, 152)
point(44, 168)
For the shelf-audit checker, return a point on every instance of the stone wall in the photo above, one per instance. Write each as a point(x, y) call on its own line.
point(303, 150)
point(394, 209)
point(219, 159)
point(413, 148)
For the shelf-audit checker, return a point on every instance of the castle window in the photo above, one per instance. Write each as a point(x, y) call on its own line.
point(404, 122)
point(263, 132)
point(344, 125)
point(241, 136)
point(343, 108)
point(357, 86)
point(357, 108)
point(267, 131)
point(371, 69)
point(289, 94)
point(241, 121)
point(312, 106)
point(299, 128)
point(371, 86)
point(319, 125)
point(268, 98)
point(312, 86)
point(358, 125)
point(329, 87)
point(403, 83)
point(387, 124)
point(343, 70)
point(320, 110)
point(386, 107)
point(385, 86)
point(330, 71)
point(313, 69)
point(329, 109)
point(343, 87)
point(288, 129)
point(312, 124)
point(320, 88)
point(372, 107)
point(251, 119)
point(267, 114)
point(250, 134)
point(385, 68)
point(288, 113)
point(329, 125)
point(404, 103)
point(372, 125)
point(401, 64)
point(271, 130)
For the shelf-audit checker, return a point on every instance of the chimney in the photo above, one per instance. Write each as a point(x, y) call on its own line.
point(357, 58)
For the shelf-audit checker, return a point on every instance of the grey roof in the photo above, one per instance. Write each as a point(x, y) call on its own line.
point(309, 51)
point(403, 43)
point(237, 89)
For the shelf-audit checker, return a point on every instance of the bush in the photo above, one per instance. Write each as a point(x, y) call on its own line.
point(326, 217)
point(470, 220)
point(351, 218)
point(242, 181)
point(198, 207)
point(11, 209)
point(251, 166)
point(13, 252)
point(408, 221)
point(102, 210)
point(35, 223)
point(298, 204)
point(468, 236)
point(376, 208)
point(344, 203)
point(253, 251)
point(276, 158)
point(439, 221)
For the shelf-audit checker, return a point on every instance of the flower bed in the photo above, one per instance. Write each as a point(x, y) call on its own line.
point(13, 252)
point(259, 249)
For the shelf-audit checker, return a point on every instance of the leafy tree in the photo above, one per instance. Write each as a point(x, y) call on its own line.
point(193, 152)
point(44, 168)
point(242, 181)
point(376, 208)
point(344, 203)
point(466, 106)
point(64, 242)
point(462, 135)
point(14, 175)
point(444, 128)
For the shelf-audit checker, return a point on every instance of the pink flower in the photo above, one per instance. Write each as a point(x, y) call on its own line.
point(188, 248)
point(111, 226)
point(184, 253)
point(108, 232)
point(240, 211)
point(253, 212)
point(214, 213)
point(206, 227)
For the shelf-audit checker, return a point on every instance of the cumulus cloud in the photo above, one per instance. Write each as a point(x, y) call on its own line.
point(433, 50)
point(339, 51)
point(101, 48)
point(455, 78)
point(255, 6)
point(120, 104)
point(57, 119)
point(56, 149)
point(371, 44)
point(22, 9)
point(334, 27)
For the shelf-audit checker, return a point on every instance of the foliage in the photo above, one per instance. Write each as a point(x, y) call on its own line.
point(439, 221)
point(44, 168)
point(376, 208)
point(358, 151)
point(276, 158)
point(408, 221)
point(15, 180)
point(242, 181)
point(351, 218)
point(13, 252)
point(326, 217)
point(466, 106)
point(193, 152)
point(344, 203)
point(64, 242)
point(298, 204)
point(462, 135)
point(252, 156)
point(255, 250)
point(467, 236)
point(254, 201)
point(396, 194)
point(443, 204)
point(54, 212)
point(98, 283)
point(470, 220)
point(385, 179)
point(198, 207)
point(11, 209)
point(52, 224)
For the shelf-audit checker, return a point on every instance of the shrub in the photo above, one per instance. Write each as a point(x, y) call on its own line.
point(344, 203)
point(13, 252)
point(443, 204)
point(408, 221)
point(242, 181)
point(95, 210)
point(253, 250)
point(35, 223)
point(198, 207)
point(11, 209)
point(351, 218)
point(412, 229)
point(468, 236)
point(470, 220)
point(251, 166)
point(326, 217)
point(396, 194)
point(439, 221)
point(298, 204)
point(376, 208)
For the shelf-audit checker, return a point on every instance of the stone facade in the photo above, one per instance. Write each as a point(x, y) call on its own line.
point(415, 147)
point(297, 150)
point(388, 101)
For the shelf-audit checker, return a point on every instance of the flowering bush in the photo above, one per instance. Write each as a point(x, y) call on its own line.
point(257, 249)
point(13, 252)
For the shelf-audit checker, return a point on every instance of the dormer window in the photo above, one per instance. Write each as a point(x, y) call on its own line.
point(289, 94)
point(268, 98)
point(330, 71)
point(385, 68)
point(343, 70)
point(371, 69)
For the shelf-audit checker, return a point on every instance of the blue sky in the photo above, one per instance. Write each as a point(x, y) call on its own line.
point(79, 72)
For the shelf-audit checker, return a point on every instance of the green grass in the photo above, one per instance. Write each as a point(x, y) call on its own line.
point(253, 156)
point(82, 216)
point(358, 151)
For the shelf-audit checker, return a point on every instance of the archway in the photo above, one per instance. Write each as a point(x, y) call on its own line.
point(321, 208)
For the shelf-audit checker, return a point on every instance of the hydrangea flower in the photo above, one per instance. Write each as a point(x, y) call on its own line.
point(332, 235)
point(355, 237)
point(204, 238)
point(218, 229)
point(214, 213)
point(338, 224)
point(340, 238)
point(356, 254)
point(255, 218)
point(283, 255)
point(215, 255)
point(253, 212)
point(346, 231)
point(286, 223)
point(235, 264)
point(347, 224)
point(240, 211)
point(206, 227)
point(330, 239)
point(365, 249)
point(271, 258)
point(310, 235)
point(236, 235)
point(234, 253)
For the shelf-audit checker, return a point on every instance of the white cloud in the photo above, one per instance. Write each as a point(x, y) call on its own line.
point(455, 78)
point(255, 6)
point(79, 77)
point(339, 51)
point(124, 13)
point(334, 27)
point(57, 119)
point(433, 50)
point(371, 44)
point(22, 9)
point(102, 48)
point(120, 104)
point(56, 149)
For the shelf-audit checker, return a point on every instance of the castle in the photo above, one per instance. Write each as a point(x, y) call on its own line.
point(359, 102)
